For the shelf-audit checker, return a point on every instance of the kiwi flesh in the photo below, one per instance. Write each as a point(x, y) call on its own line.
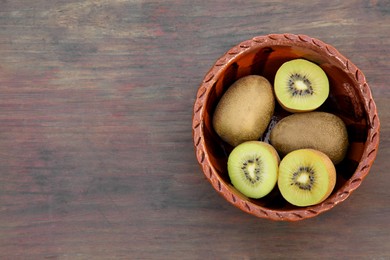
point(301, 86)
point(245, 110)
point(306, 177)
point(321, 131)
point(253, 168)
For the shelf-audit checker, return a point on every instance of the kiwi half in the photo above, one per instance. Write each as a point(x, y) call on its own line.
point(301, 86)
point(306, 177)
point(253, 168)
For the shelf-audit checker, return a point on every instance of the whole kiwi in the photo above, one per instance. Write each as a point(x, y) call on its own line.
point(245, 110)
point(321, 131)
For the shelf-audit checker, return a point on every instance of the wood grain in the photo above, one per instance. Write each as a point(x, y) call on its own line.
point(96, 153)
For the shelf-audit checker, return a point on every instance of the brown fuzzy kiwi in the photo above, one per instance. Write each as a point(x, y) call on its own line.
point(322, 131)
point(245, 110)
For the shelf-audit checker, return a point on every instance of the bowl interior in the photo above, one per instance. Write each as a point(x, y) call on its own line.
point(345, 100)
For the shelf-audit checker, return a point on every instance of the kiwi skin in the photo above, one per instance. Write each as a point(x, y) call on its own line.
point(321, 131)
point(245, 110)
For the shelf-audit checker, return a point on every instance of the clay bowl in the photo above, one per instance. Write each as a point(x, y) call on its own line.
point(350, 98)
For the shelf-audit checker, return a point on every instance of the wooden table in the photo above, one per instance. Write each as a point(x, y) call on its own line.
point(96, 152)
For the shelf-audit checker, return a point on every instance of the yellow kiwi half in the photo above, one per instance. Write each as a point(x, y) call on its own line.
point(306, 177)
point(301, 86)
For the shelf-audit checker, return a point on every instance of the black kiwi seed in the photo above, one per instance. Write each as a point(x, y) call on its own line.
point(257, 170)
point(303, 170)
point(294, 91)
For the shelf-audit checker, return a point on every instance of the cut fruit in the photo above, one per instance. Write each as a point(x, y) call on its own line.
point(301, 86)
point(306, 177)
point(253, 168)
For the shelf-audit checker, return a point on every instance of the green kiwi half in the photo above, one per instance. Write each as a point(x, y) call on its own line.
point(253, 168)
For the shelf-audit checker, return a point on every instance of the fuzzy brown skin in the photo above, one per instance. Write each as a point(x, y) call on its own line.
point(245, 110)
point(316, 130)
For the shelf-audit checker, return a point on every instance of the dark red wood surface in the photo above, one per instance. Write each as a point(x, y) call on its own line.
point(96, 152)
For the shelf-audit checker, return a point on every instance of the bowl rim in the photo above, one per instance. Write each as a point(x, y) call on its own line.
point(286, 39)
